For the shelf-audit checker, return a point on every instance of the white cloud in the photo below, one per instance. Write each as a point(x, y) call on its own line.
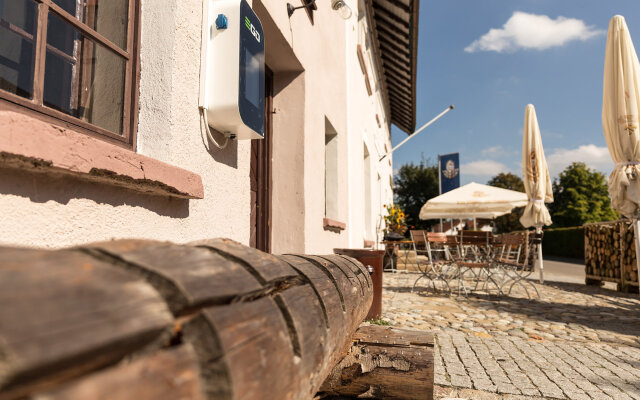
point(483, 168)
point(593, 156)
point(494, 150)
point(498, 151)
point(533, 32)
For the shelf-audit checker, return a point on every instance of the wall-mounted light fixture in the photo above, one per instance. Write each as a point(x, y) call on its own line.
point(340, 6)
point(308, 4)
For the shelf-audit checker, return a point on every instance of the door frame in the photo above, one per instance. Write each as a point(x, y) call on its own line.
point(261, 214)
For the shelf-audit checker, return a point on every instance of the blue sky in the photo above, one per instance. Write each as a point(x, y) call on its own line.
point(548, 53)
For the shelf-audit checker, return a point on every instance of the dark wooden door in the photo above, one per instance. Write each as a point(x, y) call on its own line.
point(260, 176)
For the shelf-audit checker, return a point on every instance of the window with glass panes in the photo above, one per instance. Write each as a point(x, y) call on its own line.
point(74, 60)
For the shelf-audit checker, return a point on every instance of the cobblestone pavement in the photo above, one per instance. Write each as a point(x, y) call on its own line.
point(576, 342)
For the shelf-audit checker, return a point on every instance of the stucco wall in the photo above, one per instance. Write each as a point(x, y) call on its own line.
point(316, 76)
point(55, 212)
point(332, 88)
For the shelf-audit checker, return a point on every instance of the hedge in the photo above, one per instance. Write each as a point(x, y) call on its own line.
point(564, 242)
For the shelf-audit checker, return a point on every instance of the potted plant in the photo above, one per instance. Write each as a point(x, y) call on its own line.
point(394, 229)
point(395, 225)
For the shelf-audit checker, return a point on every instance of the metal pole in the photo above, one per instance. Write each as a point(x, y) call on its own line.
point(540, 262)
point(418, 131)
point(636, 229)
point(439, 186)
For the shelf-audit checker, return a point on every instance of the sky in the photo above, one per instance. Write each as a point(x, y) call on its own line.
point(490, 59)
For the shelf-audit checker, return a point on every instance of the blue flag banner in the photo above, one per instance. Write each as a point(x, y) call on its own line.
point(449, 165)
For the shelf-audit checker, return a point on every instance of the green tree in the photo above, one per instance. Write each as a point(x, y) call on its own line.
point(509, 222)
point(580, 196)
point(413, 186)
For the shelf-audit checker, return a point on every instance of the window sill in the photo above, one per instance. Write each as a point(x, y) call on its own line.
point(333, 225)
point(368, 243)
point(29, 143)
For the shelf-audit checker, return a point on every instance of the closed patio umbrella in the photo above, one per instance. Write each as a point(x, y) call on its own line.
point(537, 181)
point(620, 110)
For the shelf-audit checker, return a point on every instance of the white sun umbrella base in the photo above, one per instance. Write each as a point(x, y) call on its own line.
point(537, 181)
point(473, 200)
point(620, 111)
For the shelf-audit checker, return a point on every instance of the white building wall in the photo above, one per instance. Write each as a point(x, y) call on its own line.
point(317, 75)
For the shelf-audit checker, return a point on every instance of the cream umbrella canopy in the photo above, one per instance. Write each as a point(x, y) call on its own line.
point(537, 181)
point(620, 110)
point(473, 200)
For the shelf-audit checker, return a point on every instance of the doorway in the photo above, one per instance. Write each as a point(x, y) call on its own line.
point(260, 175)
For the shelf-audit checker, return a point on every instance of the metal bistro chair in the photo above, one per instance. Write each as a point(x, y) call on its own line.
point(517, 258)
point(476, 258)
point(437, 260)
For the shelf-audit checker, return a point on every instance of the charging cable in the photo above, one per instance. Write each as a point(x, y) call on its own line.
point(203, 111)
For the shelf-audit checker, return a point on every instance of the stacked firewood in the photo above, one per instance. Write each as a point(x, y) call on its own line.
point(610, 251)
point(630, 266)
point(602, 250)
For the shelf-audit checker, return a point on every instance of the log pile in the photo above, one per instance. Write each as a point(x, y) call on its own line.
point(137, 319)
point(630, 266)
point(602, 250)
point(610, 253)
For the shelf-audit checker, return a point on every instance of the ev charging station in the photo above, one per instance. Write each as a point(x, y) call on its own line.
point(232, 69)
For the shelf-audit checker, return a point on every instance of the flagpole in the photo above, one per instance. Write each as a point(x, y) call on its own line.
point(440, 186)
point(418, 131)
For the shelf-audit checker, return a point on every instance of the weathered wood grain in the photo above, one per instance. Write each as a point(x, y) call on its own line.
point(187, 277)
point(350, 287)
point(385, 363)
point(326, 289)
point(354, 265)
point(63, 313)
point(167, 375)
point(374, 334)
point(75, 323)
point(264, 266)
point(245, 351)
point(286, 340)
point(345, 265)
point(312, 340)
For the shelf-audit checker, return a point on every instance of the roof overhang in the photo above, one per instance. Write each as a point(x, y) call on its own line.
point(395, 32)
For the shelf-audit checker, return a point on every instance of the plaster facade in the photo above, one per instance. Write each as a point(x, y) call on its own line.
point(317, 77)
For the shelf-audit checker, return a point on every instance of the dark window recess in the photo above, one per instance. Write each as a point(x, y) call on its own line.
point(17, 30)
point(85, 81)
point(74, 60)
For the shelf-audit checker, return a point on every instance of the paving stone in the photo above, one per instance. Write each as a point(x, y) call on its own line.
point(575, 343)
point(462, 381)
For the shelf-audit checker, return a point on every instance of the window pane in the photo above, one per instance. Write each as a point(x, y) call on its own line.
point(83, 78)
point(17, 30)
point(107, 17)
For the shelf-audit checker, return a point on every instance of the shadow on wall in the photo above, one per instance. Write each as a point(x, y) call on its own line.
point(228, 155)
point(41, 188)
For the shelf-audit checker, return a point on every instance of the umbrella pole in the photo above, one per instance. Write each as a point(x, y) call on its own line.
point(540, 261)
point(636, 229)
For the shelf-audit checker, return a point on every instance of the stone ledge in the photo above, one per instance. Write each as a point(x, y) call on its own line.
point(31, 144)
point(333, 225)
